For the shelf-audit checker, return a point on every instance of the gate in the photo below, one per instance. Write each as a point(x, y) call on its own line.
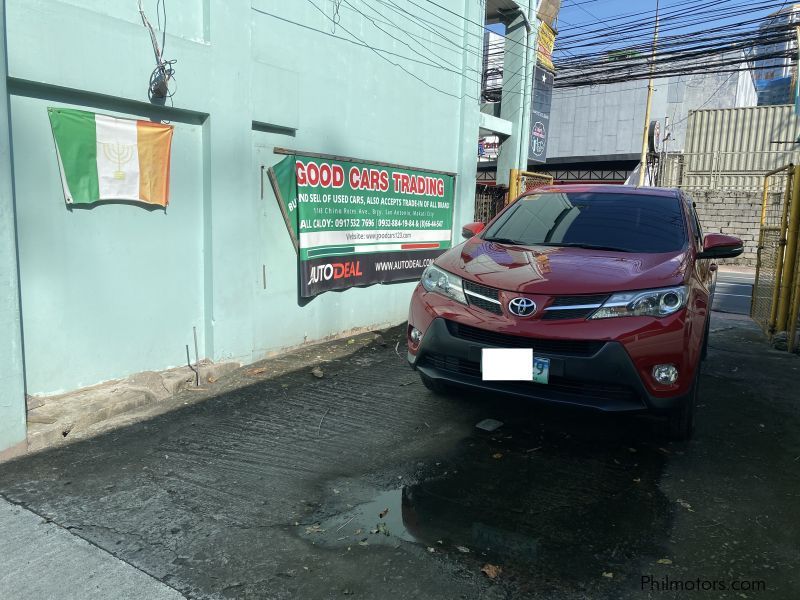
point(776, 292)
point(489, 200)
point(525, 181)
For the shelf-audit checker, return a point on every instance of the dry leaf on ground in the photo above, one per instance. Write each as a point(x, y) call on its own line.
point(491, 571)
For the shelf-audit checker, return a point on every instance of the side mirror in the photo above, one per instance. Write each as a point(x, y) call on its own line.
point(472, 229)
point(717, 245)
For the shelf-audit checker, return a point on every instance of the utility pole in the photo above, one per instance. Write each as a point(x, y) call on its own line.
point(646, 129)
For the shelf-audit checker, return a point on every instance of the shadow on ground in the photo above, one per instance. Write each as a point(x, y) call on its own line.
point(278, 489)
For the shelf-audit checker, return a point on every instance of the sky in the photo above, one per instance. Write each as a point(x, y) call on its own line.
point(594, 12)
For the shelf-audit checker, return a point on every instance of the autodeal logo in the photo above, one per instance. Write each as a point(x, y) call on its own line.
point(333, 271)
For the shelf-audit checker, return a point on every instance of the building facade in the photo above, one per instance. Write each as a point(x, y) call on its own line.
point(94, 294)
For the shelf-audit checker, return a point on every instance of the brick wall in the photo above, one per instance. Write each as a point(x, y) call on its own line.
point(732, 213)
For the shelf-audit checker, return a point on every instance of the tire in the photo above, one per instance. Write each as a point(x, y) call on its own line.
point(680, 421)
point(434, 385)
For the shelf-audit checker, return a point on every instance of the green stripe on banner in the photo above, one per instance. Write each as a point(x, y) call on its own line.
point(75, 136)
point(328, 250)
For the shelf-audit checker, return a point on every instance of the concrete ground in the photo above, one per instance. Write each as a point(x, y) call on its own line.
point(278, 485)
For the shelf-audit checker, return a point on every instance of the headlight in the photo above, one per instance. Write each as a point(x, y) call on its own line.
point(444, 283)
point(649, 303)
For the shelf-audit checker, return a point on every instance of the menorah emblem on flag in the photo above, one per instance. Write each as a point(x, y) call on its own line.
point(107, 158)
point(119, 154)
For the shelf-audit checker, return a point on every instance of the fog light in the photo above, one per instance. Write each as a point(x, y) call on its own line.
point(415, 335)
point(665, 374)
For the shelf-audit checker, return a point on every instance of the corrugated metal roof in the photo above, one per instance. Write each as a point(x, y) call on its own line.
point(750, 129)
point(731, 148)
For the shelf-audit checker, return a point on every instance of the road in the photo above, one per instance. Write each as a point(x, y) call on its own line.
point(279, 488)
point(734, 292)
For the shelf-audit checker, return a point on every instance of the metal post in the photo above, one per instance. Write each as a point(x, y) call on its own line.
point(773, 314)
point(513, 185)
point(791, 229)
point(645, 134)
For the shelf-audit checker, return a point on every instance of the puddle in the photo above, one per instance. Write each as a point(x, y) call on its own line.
point(569, 504)
point(380, 521)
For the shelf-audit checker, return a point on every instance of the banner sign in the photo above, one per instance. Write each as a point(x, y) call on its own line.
point(355, 223)
point(540, 114)
point(544, 48)
point(548, 11)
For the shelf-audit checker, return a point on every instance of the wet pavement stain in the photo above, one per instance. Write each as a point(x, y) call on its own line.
point(563, 499)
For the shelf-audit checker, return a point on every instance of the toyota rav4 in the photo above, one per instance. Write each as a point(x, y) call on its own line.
point(589, 295)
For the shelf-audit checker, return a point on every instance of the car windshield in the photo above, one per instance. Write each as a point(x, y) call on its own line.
point(602, 221)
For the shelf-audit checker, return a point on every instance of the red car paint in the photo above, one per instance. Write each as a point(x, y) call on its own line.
point(540, 273)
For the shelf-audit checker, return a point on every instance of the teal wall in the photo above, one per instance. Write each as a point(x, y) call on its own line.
point(117, 289)
point(12, 383)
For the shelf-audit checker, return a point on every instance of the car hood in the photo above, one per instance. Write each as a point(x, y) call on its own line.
point(552, 270)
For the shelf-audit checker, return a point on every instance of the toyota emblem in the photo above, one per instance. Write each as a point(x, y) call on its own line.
point(522, 307)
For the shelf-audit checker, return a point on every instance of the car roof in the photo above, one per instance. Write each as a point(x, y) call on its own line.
point(607, 189)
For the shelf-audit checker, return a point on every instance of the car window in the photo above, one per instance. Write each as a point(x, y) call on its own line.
point(628, 222)
point(697, 230)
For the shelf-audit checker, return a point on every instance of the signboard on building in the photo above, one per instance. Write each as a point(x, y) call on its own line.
point(488, 148)
point(546, 40)
point(548, 11)
point(540, 114)
point(355, 223)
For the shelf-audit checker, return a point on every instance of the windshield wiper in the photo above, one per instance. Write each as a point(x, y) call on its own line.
point(586, 246)
point(502, 240)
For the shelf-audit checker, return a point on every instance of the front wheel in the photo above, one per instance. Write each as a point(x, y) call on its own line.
point(680, 423)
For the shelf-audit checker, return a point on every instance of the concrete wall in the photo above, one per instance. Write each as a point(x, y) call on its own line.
point(117, 289)
point(733, 213)
point(12, 383)
point(599, 121)
point(608, 119)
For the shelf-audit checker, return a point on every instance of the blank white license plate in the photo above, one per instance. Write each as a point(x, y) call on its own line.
point(513, 364)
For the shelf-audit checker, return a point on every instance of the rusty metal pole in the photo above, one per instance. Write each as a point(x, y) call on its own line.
point(513, 185)
point(773, 313)
point(792, 230)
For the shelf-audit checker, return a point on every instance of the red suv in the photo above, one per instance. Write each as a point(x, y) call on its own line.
point(589, 295)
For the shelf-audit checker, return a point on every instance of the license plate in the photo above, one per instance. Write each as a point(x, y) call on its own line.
point(513, 364)
point(507, 364)
point(541, 369)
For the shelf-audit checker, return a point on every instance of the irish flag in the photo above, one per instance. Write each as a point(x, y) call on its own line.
point(105, 158)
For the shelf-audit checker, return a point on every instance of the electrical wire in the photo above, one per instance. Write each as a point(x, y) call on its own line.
point(164, 70)
point(396, 64)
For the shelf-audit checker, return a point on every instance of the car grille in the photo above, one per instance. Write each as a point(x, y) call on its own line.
point(502, 340)
point(563, 302)
point(573, 300)
point(568, 388)
point(476, 288)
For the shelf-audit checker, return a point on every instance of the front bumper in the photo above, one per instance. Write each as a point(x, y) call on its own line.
point(600, 375)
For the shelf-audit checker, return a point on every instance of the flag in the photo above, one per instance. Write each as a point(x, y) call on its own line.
point(105, 158)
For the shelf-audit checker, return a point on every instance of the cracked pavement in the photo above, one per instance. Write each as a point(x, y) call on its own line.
point(274, 488)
